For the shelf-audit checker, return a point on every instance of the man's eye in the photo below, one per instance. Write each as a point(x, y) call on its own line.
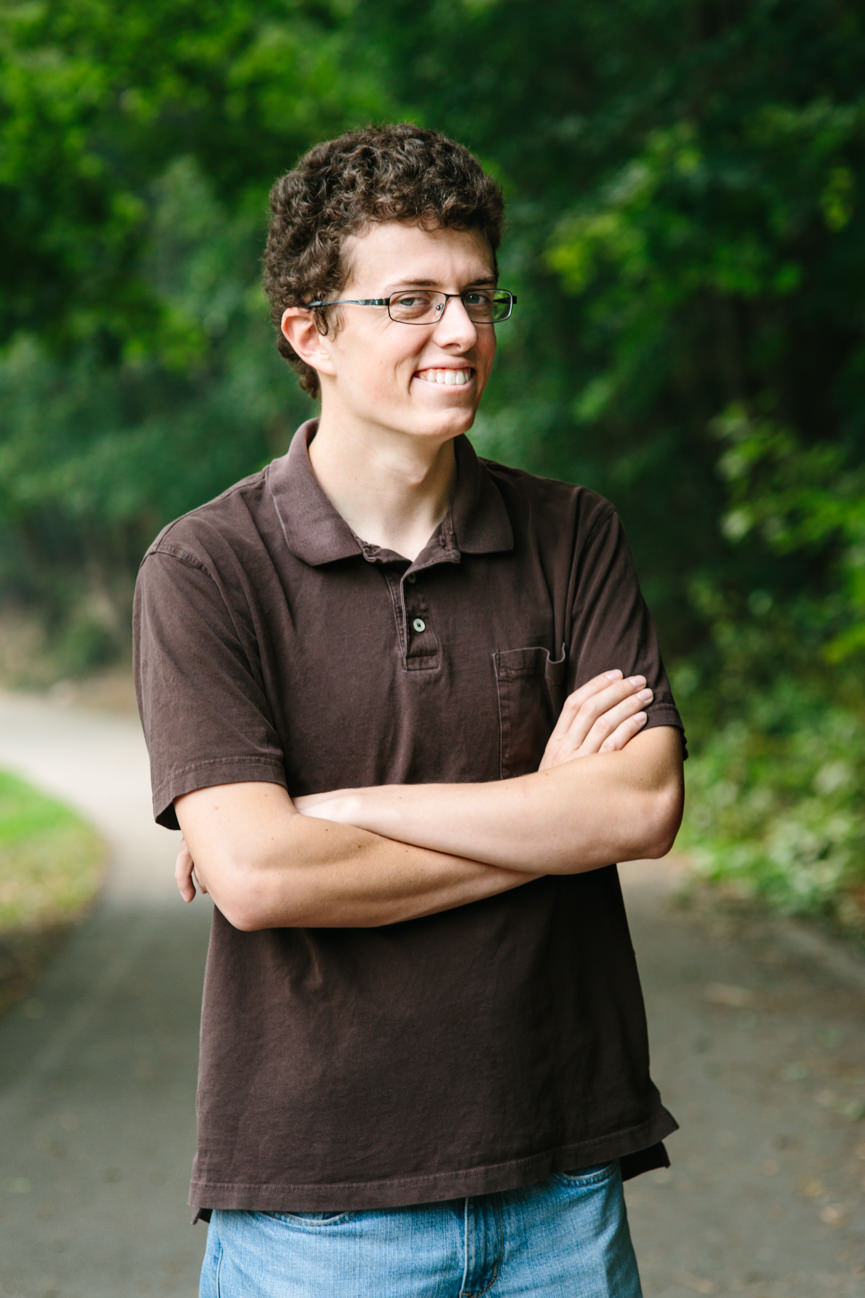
point(476, 297)
point(412, 301)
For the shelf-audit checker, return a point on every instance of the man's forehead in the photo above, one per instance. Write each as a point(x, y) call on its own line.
point(417, 251)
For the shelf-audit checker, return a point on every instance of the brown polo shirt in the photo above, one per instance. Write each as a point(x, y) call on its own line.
point(471, 1051)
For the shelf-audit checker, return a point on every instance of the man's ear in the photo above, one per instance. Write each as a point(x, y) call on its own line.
point(300, 329)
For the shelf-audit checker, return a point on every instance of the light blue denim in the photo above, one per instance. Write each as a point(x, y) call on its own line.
point(566, 1237)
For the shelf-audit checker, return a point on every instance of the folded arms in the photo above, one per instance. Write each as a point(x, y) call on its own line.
point(606, 790)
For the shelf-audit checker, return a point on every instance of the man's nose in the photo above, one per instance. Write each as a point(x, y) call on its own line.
point(455, 323)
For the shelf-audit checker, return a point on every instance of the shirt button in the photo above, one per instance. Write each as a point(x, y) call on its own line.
point(412, 577)
point(419, 625)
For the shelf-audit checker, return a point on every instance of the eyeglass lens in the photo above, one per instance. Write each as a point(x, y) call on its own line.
point(421, 306)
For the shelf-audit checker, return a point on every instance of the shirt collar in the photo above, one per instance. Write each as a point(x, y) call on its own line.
point(477, 522)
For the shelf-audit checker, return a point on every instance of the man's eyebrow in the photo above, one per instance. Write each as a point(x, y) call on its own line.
point(412, 281)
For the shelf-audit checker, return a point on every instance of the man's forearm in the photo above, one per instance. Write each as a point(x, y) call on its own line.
point(266, 866)
point(576, 816)
point(377, 856)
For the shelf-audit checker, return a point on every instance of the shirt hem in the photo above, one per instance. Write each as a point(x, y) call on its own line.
point(639, 1147)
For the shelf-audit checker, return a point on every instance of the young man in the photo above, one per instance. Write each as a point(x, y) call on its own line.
point(407, 707)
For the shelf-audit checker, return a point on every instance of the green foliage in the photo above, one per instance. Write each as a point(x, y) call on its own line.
point(774, 806)
point(139, 374)
point(98, 456)
point(687, 239)
point(775, 803)
point(803, 501)
point(99, 105)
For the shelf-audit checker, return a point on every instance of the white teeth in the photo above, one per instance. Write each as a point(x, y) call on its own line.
point(451, 378)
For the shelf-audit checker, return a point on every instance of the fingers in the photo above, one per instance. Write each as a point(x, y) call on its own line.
point(184, 873)
point(603, 715)
point(599, 706)
point(613, 728)
point(624, 733)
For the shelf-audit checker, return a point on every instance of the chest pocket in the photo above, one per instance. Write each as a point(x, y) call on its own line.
point(531, 691)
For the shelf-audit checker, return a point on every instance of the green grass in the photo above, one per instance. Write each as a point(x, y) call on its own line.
point(51, 867)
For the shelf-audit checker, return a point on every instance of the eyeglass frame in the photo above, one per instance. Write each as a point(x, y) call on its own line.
point(385, 301)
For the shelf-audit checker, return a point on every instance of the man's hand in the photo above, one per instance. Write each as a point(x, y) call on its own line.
point(185, 875)
point(602, 716)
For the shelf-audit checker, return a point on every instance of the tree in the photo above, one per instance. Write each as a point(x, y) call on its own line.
point(139, 375)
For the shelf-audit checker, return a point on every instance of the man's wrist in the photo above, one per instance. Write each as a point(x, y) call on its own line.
point(340, 805)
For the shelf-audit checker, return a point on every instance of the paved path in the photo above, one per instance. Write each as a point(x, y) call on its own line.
point(97, 1066)
point(757, 1035)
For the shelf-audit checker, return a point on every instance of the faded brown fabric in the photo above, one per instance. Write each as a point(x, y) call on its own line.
point(472, 1051)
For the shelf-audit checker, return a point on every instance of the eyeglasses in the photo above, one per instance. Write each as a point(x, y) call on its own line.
point(420, 306)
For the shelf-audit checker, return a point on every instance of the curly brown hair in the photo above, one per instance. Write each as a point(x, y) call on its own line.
point(381, 173)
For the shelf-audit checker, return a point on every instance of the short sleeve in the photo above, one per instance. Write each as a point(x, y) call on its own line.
point(203, 708)
point(611, 624)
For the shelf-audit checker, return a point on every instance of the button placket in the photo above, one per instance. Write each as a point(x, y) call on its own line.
point(416, 610)
point(395, 590)
point(418, 645)
point(423, 647)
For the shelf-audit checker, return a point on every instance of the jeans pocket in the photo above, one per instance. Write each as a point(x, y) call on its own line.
point(531, 690)
point(587, 1176)
point(309, 1218)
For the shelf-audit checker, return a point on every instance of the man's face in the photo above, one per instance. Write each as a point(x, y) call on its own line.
point(423, 381)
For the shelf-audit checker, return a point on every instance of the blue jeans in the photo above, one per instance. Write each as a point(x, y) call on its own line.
point(566, 1237)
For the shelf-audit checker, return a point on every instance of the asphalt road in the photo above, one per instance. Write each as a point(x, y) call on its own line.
point(758, 1032)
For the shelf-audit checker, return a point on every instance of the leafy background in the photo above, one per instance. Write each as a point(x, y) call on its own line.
point(686, 236)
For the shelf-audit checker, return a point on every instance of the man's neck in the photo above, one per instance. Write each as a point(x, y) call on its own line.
point(392, 494)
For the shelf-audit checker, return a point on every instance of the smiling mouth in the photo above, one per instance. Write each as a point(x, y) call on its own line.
point(448, 377)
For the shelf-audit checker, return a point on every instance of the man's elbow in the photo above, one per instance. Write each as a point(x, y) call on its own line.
point(242, 912)
point(245, 897)
point(244, 917)
point(664, 817)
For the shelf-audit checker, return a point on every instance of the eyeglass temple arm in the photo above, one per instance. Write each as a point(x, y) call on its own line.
point(350, 301)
